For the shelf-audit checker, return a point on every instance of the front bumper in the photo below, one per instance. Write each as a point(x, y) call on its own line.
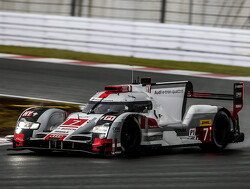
point(99, 146)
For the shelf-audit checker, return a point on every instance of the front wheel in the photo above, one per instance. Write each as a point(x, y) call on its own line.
point(220, 133)
point(130, 137)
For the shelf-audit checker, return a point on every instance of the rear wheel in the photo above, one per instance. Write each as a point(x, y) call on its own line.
point(220, 133)
point(130, 137)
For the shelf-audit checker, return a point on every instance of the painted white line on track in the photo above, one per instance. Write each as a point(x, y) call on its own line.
point(118, 66)
point(4, 142)
point(3, 55)
point(124, 67)
point(49, 60)
point(44, 99)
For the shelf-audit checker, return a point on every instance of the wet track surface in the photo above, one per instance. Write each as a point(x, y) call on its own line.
point(174, 168)
point(179, 168)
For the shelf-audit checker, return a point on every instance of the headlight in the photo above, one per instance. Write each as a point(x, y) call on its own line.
point(26, 125)
point(102, 130)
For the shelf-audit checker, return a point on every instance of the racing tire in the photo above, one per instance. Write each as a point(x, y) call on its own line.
point(220, 133)
point(130, 138)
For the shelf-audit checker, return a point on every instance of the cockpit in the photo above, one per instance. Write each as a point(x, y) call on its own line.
point(117, 107)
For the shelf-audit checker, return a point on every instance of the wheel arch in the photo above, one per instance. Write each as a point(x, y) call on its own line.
point(227, 112)
point(136, 119)
point(131, 134)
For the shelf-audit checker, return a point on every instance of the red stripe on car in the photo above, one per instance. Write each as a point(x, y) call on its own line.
point(105, 94)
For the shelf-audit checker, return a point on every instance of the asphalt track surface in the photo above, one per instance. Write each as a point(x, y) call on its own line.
point(173, 168)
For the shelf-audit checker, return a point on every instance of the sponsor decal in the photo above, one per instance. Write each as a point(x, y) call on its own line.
point(192, 132)
point(239, 86)
point(69, 129)
point(95, 99)
point(27, 113)
point(153, 138)
point(163, 92)
point(103, 100)
point(206, 122)
point(238, 94)
point(61, 131)
point(55, 135)
point(238, 105)
point(152, 123)
point(109, 118)
point(117, 129)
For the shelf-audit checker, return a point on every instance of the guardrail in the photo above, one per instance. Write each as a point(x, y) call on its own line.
point(145, 40)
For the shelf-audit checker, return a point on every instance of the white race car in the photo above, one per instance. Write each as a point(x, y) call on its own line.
point(126, 118)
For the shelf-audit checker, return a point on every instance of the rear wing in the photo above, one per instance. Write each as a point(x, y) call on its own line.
point(237, 97)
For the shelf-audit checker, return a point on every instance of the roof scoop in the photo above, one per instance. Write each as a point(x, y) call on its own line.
point(118, 88)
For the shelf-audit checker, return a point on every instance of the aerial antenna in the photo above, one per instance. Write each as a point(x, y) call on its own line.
point(132, 73)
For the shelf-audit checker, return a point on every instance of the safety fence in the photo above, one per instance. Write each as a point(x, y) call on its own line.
point(212, 13)
point(135, 39)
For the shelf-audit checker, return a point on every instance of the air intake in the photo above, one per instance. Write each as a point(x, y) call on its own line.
point(119, 88)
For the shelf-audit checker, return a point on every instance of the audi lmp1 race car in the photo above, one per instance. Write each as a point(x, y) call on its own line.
point(126, 118)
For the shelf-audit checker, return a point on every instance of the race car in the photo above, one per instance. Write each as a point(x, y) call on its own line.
point(123, 119)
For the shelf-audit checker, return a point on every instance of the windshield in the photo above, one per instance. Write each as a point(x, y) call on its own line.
point(118, 107)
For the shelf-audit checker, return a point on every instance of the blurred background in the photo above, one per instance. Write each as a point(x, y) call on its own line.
point(204, 31)
point(215, 13)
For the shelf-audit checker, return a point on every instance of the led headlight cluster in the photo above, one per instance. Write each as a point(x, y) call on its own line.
point(26, 125)
point(102, 130)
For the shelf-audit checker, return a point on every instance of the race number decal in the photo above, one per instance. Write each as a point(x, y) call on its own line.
point(204, 134)
point(66, 129)
point(75, 122)
point(109, 118)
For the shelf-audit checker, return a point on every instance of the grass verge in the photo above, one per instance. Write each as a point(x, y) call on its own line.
point(11, 108)
point(167, 64)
